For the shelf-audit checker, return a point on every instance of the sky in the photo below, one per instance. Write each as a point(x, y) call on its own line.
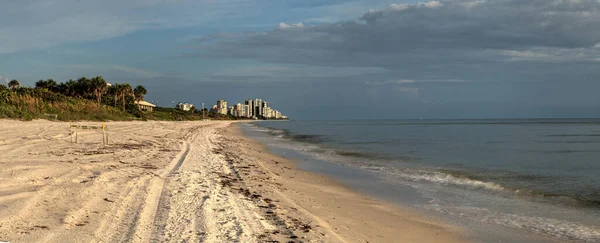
point(317, 59)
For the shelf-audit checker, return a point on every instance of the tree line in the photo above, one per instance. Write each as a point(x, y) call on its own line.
point(96, 88)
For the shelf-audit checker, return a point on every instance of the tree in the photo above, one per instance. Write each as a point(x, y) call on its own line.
point(3, 87)
point(124, 91)
point(13, 84)
point(68, 88)
point(99, 87)
point(139, 92)
point(49, 84)
point(113, 90)
point(83, 88)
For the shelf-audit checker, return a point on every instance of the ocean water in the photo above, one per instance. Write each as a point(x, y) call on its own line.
point(508, 180)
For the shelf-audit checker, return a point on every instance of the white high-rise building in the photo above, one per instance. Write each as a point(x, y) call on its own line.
point(246, 111)
point(221, 107)
point(257, 108)
point(250, 103)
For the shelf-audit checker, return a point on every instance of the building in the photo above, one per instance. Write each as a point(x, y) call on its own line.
point(230, 110)
point(267, 112)
point(221, 107)
point(250, 103)
point(145, 106)
point(257, 108)
point(184, 106)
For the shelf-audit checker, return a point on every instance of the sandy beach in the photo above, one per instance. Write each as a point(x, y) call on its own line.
point(180, 182)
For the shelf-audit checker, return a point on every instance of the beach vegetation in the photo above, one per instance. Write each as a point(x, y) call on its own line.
point(84, 99)
point(139, 92)
point(13, 84)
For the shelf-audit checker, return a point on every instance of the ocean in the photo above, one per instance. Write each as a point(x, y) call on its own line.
point(502, 180)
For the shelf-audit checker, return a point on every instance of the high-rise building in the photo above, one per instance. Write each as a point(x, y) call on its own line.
point(250, 103)
point(246, 111)
point(267, 112)
point(230, 110)
point(221, 107)
point(257, 108)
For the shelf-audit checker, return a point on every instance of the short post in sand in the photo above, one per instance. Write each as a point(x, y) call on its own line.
point(73, 129)
point(104, 134)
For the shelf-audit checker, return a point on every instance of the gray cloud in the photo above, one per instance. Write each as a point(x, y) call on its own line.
point(445, 38)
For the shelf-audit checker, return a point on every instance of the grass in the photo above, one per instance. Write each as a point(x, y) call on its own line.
point(28, 104)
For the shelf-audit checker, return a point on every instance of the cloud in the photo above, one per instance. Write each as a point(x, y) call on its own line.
point(38, 24)
point(136, 71)
point(284, 26)
point(409, 91)
point(420, 81)
point(274, 72)
point(453, 39)
point(461, 29)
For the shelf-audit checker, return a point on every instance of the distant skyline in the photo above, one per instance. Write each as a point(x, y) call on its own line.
point(314, 59)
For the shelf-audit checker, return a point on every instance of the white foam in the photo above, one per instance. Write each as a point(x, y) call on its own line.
point(552, 227)
point(445, 179)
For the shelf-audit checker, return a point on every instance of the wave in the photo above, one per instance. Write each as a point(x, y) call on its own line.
point(284, 133)
point(552, 227)
point(397, 167)
point(446, 179)
point(574, 135)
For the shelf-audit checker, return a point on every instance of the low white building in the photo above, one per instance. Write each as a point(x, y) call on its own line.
point(145, 106)
point(184, 106)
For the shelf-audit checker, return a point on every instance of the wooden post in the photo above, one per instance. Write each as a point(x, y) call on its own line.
point(103, 139)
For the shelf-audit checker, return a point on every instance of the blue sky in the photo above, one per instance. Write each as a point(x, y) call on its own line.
point(322, 59)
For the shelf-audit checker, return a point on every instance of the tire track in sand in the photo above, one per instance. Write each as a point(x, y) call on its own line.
point(145, 225)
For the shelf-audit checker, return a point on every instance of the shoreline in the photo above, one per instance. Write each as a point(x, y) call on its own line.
point(180, 181)
point(352, 216)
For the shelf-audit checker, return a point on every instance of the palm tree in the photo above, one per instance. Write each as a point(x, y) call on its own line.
point(49, 84)
point(139, 92)
point(99, 87)
point(114, 91)
point(84, 88)
point(123, 90)
point(13, 84)
point(68, 88)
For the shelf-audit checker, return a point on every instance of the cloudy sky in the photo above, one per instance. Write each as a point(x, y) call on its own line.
point(316, 59)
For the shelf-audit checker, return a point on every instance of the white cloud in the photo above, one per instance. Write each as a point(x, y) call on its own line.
point(284, 26)
point(430, 4)
point(403, 81)
point(549, 54)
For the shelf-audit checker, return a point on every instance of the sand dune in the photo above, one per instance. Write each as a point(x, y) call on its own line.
point(176, 182)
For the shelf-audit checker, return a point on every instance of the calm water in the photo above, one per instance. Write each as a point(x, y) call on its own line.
point(523, 177)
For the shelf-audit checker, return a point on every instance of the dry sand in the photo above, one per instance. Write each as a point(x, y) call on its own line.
point(179, 182)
